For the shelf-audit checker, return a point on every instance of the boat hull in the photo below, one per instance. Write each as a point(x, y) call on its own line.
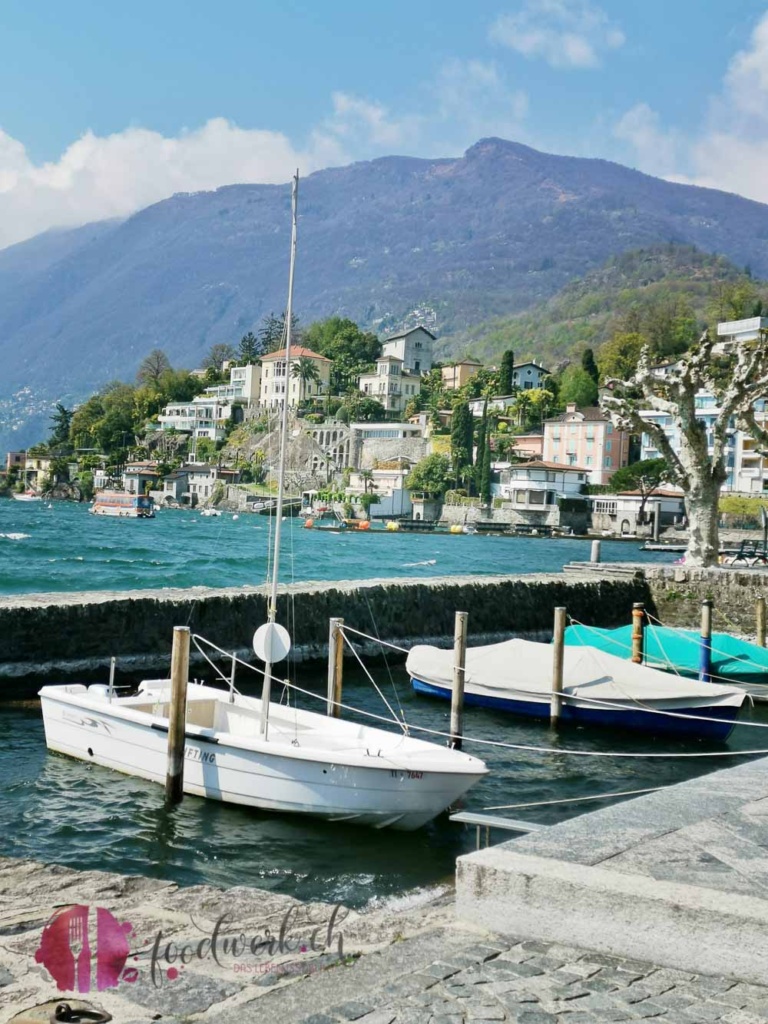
point(633, 718)
point(382, 795)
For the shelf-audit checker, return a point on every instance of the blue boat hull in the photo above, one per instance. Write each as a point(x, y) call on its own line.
point(636, 719)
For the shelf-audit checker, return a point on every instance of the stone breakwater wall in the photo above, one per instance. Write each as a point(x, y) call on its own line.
point(677, 592)
point(60, 635)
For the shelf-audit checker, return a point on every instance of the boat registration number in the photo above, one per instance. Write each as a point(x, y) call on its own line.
point(406, 775)
point(195, 754)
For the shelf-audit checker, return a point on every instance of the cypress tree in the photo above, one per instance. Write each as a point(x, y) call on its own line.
point(588, 363)
point(485, 474)
point(506, 376)
point(481, 445)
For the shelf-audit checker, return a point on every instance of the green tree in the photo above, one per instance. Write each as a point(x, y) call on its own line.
point(431, 475)
point(589, 365)
point(645, 476)
point(305, 370)
point(619, 357)
point(249, 349)
point(152, 367)
point(272, 332)
point(578, 387)
point(482, 444)
point(506, 374)
point(462, 427)
point(218, 355)
point(366, 500)
point(59, 439)
point(484, 488)
point(352, 350)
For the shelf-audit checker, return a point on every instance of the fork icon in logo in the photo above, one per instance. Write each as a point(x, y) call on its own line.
point(80, 949)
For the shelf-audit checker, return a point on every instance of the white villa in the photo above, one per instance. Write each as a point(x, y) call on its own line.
point(536, 485)
point(391, 384)
point(207, 415)
point(276, 382)
point(415, 349)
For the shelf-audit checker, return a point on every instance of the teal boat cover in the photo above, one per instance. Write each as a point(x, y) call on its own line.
point(678, 650)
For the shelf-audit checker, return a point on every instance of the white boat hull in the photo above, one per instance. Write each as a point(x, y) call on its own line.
point(26, 497)
point(402, 786)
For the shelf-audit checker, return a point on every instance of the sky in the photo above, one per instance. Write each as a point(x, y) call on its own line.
point(107, 107)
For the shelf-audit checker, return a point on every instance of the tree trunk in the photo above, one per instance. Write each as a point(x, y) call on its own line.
point(703, 541)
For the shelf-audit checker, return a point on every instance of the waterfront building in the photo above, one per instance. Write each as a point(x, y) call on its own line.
point(244, 385)
point(202, 480)
point(15, 460)
point(391, 384)
point(457, 374)
point(620, 513)
point(540, 495)
point(277, 380)
point(205, 416)
point(414, 347)
point(138, 475)
point(587, 438)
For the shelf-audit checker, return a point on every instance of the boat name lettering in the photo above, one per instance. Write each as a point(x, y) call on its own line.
point(195, 754)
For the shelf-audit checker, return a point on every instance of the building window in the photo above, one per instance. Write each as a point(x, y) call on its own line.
point(608, 445)
point(607, 462)
point(588, 460)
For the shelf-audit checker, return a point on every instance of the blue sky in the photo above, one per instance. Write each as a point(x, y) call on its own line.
point(107, 107)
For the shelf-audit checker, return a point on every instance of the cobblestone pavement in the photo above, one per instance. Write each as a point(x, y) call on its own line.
point(539, 983)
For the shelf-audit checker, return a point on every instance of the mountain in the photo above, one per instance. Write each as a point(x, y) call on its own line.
point(455, 241)
point(647, 290)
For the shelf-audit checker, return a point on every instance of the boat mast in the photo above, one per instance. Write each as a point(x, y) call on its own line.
point(272, 605)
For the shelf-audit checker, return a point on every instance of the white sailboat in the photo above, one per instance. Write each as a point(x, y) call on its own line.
point(249, 751)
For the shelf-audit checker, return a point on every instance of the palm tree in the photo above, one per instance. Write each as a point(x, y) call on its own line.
point(306, 371)
point(367, 477)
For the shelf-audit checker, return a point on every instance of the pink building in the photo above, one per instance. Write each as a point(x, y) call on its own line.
point(586, 437)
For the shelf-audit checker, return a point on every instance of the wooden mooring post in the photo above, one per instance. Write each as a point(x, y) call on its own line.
point(459, 666)
point(705, 661)
point(760, 621)
point(638, 625)
point(558, 650)
point(335, 667)
point(177, 716)
point(594, 555)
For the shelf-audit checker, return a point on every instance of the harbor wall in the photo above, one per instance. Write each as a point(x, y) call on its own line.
point(677, 592)
point(55, 636)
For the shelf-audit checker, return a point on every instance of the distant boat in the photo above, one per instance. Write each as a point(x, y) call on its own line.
point(598, 688)
point(123, 504)
point(27, 496)
point(210, 512)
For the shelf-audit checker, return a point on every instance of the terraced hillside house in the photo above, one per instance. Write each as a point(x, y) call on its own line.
point(391, 384)
point(279, 380)
point(587, 438)
point(456, 375)
point(415, 348)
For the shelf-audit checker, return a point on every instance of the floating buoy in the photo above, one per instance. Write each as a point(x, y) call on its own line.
point(456, 528)
point(364, 524)
point(234, 518)
point(308, 524)
point(393, 526)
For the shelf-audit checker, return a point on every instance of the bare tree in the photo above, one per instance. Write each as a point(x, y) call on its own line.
point(737, 377)
point(153, 367)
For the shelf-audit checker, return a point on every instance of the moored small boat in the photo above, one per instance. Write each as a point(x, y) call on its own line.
point(598, 688)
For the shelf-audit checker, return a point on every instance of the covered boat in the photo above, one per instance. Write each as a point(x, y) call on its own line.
point(679, 650)
point(598, 688)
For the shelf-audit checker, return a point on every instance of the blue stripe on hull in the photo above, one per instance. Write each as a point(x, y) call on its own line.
point(638, 719)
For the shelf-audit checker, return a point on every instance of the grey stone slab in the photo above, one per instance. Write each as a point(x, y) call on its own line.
point(484, 1011)
point(379, 1017)
point(742, 994)
point(743, 1017)
point(5, 977)
point(352, 1010)
point(189, 993)
point(318, 1018)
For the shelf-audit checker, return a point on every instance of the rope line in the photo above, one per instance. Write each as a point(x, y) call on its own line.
point(575, 799)
point(376, 639)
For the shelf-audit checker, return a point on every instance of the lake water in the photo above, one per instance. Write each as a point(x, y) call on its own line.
point(63, 811)
point(64, 548)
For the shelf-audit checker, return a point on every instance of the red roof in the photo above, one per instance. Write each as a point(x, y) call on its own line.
point(297, 351)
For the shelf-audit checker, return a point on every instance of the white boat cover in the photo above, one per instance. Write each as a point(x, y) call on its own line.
point(522, 670)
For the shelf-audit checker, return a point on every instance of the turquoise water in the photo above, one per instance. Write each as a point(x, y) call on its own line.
point(64, 548)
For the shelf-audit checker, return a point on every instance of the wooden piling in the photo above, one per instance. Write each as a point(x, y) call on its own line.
point(558, 650)
point(459, 666)
point(705, 662)
point(177, 715)
point(760, 620)
point(335, 667)
point(638, 624)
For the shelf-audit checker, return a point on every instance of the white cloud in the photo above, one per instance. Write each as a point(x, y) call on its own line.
point(100, 177)
point(475, 95)
point(730, 151)
point(565, 33)
point(657, 150)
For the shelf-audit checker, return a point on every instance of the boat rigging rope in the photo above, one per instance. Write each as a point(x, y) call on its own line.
point(399, 721)
point(384, 655)
point(376, 639)
point(574, 799)
point(485, 742)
